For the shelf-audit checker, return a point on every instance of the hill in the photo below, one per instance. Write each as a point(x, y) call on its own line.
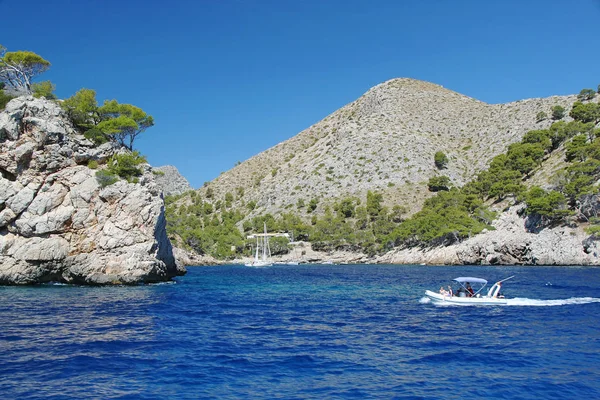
point(385, 141)
point(360, 186)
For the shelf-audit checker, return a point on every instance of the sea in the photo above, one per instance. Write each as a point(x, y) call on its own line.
point(305, 332)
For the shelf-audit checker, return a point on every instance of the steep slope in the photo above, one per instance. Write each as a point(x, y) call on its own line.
point(57, 223)
point(384, 141)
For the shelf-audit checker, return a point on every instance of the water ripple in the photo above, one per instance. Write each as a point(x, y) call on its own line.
point(304, 332)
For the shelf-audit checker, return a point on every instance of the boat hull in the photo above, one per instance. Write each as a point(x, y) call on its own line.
point(258, 264)
point(441, 299)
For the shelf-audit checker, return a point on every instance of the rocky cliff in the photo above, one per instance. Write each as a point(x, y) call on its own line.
point(171, 181)
point(57, 223)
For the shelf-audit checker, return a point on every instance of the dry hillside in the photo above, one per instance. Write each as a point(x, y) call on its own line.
point(384, 141)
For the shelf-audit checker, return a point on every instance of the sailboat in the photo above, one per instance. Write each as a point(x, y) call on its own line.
point(263, 250)
point(295, 260)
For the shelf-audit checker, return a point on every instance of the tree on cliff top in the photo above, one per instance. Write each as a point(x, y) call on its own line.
point(17, 68)
point(123, 122)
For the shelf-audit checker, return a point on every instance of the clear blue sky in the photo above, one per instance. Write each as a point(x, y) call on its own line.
point(227, 79)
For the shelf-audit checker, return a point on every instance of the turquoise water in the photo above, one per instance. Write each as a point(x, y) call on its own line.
point(327, 332)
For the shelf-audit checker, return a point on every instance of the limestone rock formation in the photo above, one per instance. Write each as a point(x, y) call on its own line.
point(57, 223)
point(171, 181)
point(510, 243)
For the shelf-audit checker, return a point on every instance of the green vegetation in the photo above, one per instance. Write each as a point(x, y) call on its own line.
point(4, 98)
point(558, 112)
point(586, 112)
point(214, 226)
point(44, 89)
point(17, 69)
point(541, 116)
point(586, 94)
point(440, 160)
point(82, 109)
point(105, 178)
point(124, 166)
point(121, 123)
point(437, 183)
point(445, 219)
point(93, 164)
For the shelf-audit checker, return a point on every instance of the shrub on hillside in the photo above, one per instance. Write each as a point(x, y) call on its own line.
point(105, 178)
point(558, 112)
point(541, 116)
point(43, 89)
point(440, 160)
point(586, 94)
point(437, 183)
point(4, 99)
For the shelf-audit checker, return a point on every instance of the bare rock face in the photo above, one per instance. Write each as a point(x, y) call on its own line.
point(57, 223)
point(171, 181)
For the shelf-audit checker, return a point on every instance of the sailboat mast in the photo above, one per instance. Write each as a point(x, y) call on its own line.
point(256, 255)
point(265, 244)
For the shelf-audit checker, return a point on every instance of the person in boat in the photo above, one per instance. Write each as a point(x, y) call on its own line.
point(450, 291)
point(470, 291)
point(443, 291)
point(498, 294)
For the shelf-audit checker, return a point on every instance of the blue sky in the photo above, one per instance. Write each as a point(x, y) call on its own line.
point(227, 79)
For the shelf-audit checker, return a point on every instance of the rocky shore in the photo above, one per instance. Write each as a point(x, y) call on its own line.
point(509, 244)
point(57, 223)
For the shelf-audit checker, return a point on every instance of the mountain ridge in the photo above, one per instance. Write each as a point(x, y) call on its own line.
point(383, 141)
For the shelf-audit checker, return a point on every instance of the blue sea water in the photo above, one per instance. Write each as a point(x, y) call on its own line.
point(304, 332)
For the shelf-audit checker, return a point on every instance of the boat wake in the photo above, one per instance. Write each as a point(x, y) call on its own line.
point(548, 303)
point(524, 302)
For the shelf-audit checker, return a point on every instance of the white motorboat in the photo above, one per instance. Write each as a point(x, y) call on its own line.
point(262, 248)
point(466, 294)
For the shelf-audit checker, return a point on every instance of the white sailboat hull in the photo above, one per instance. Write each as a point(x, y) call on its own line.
point(259, 264)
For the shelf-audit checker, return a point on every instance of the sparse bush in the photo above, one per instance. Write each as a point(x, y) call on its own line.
point(4, 99)
point(586, 112)
point(96, 135)
point(440, 160)
point(558, 112)
point(105, 178)
point(541, 116)
point(437, 183)
point(586, 94)
point(93, 164)
point(43, 89)
point(126, 165)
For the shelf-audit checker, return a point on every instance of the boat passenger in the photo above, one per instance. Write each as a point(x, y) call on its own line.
point(443, 292)
point(450, 291)
point(498, 294)
point(470, 290)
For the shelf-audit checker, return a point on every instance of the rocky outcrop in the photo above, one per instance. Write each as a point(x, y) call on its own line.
point(510, 243)
point(57, 223)
point(188, 258)
point(171, 181)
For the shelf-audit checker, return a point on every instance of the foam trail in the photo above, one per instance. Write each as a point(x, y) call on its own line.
point(425, 300)
point(547, 303)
